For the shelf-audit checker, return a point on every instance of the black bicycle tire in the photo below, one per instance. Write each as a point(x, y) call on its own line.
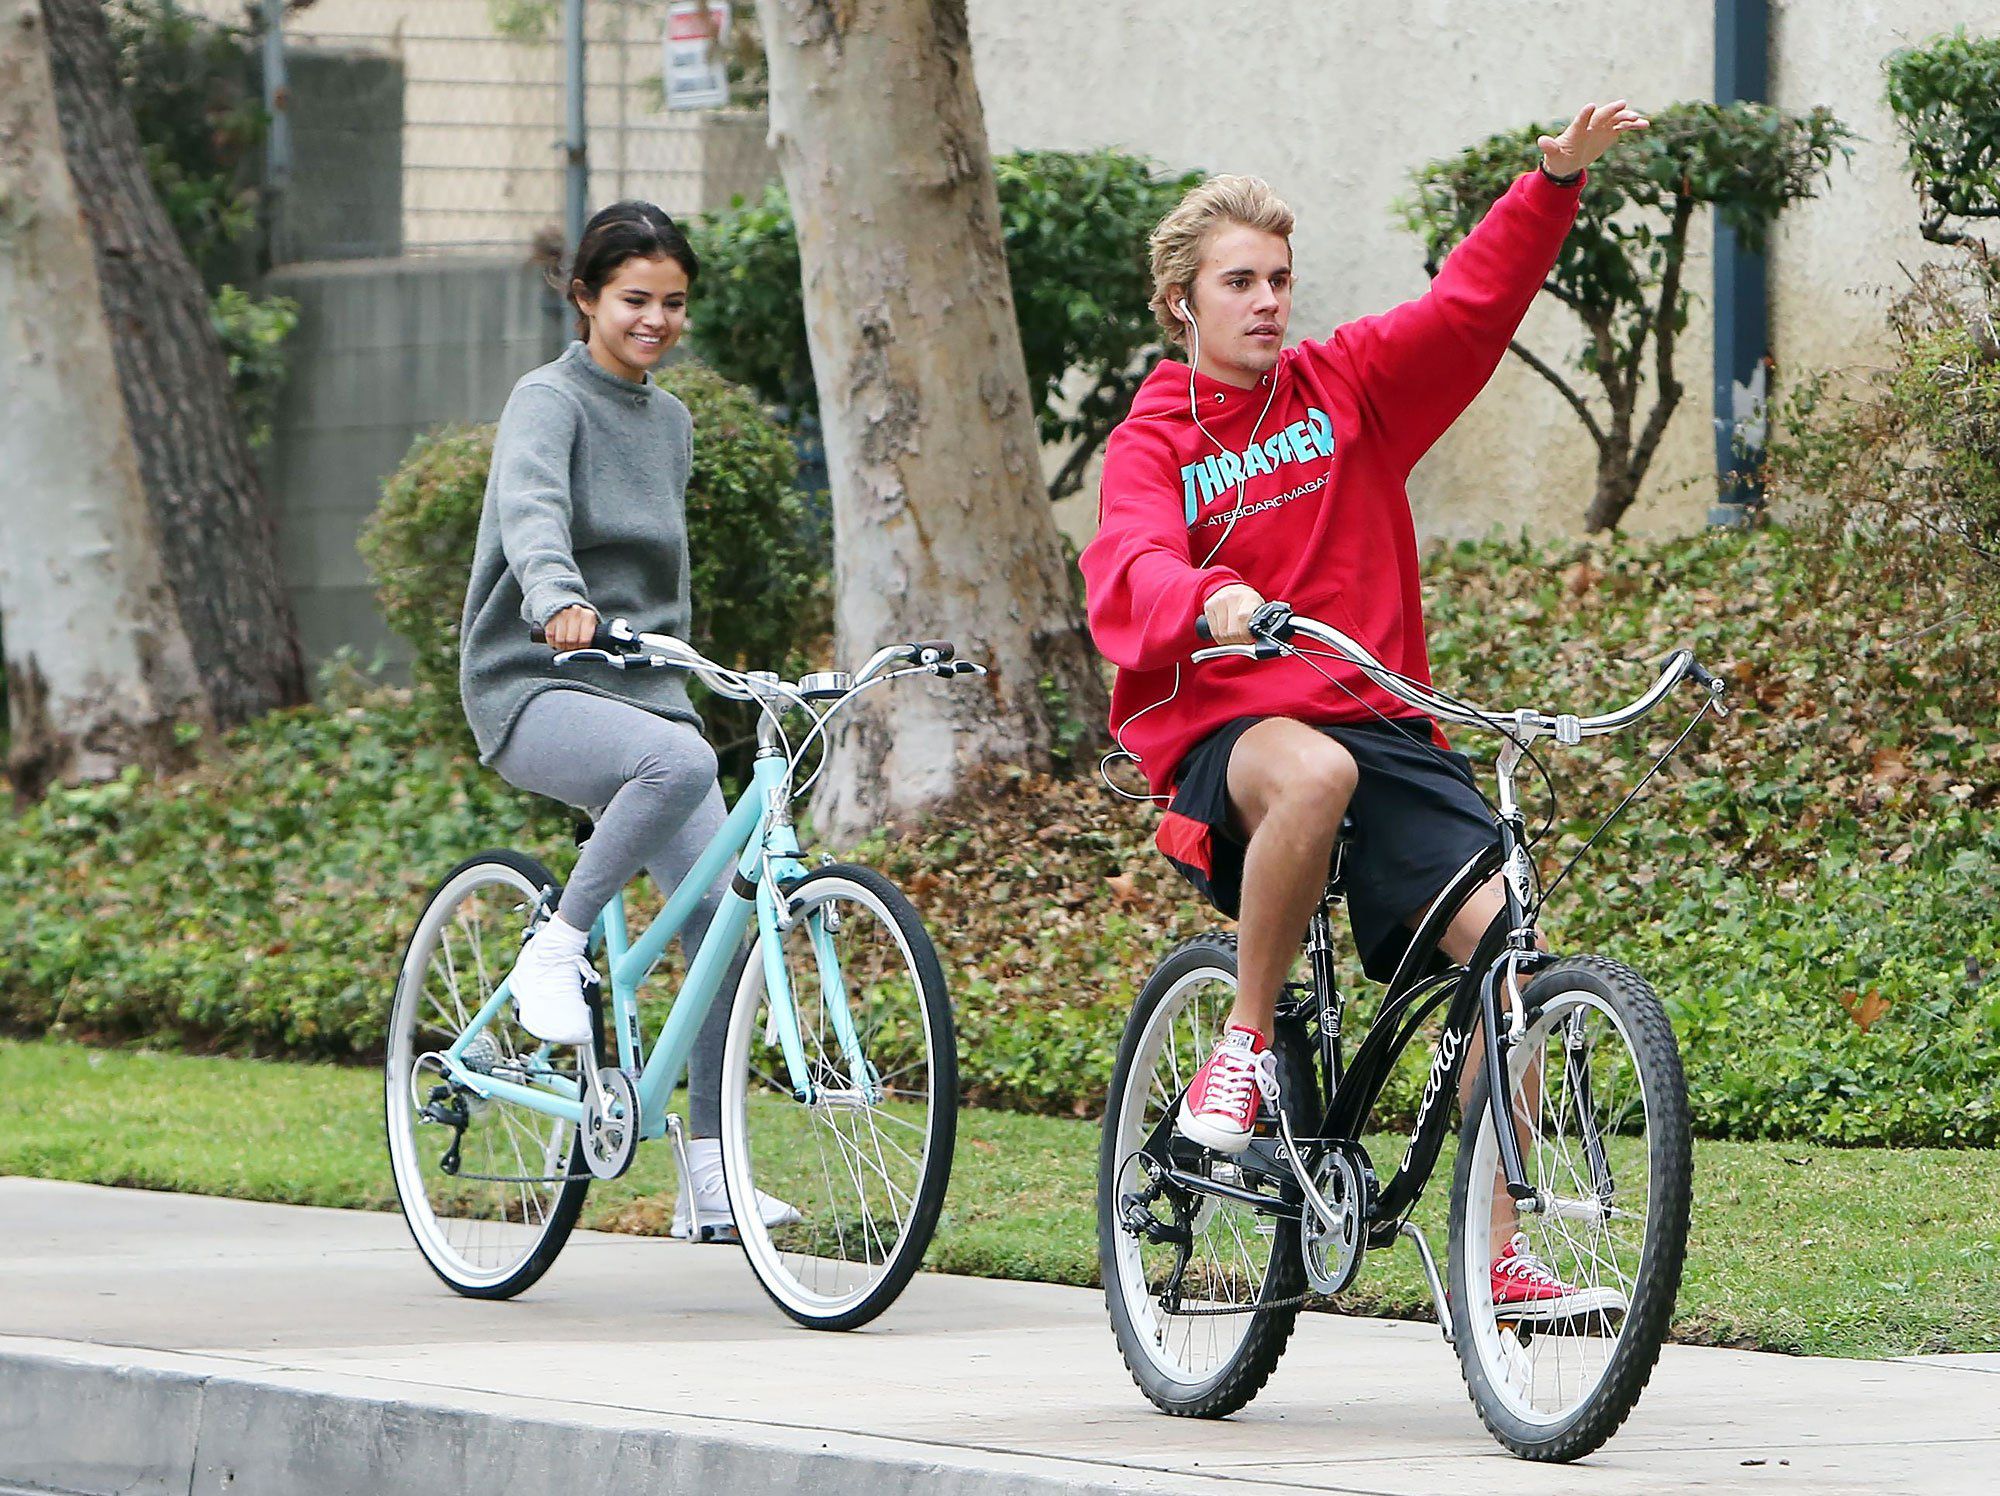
point(1662, 1257)
point(569, 1200)
point(930, 1194)
point(1243, 1376)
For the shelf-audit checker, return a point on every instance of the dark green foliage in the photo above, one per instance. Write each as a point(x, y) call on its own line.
point(1907, 463)
point(189, 83)
point(418, 545)
point(253, 332)
point(1075, 227)
point(258, 905)
point(750, 323)
point(760, 554)
point(1809, 887)
point(1946, 98)
point(1620, 269)
point(193, 96)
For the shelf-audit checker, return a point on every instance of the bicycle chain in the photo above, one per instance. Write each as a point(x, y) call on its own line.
point(1291, 1303)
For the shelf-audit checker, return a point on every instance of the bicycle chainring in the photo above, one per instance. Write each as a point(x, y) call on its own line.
point(610, 1131)
point(1332, 1251)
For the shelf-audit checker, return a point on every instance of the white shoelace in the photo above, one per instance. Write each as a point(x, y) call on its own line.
point(1525, 1265)
point(1229, 1083)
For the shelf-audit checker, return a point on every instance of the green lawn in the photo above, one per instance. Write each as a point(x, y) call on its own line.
point(1865, 1252)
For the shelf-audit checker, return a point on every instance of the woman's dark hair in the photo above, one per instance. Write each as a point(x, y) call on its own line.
point(621, 232)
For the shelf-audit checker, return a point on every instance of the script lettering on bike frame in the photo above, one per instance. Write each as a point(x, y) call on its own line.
point(1449, 1048)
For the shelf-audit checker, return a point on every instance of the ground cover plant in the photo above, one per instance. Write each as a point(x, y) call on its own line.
point(1772, 1263)
point(1809, 887)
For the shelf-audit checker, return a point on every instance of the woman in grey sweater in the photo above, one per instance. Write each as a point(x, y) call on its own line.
point(585, 518)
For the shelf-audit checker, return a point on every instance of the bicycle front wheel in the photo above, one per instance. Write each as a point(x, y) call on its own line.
point(836, 1192)
point(1203, 1289)
point(1600, 1108)
point(490, 1190)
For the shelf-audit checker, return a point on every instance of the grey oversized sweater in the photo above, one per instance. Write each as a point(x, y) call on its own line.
point(585, 503)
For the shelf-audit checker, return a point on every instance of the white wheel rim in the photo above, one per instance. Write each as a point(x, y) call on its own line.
point(1543, 1384)
point(449, 1241)
point(1222, 1334)
point(778, 1269)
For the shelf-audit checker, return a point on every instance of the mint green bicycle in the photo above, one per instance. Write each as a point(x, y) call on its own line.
point(840, 1071)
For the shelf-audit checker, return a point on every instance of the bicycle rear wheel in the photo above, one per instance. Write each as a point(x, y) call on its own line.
point(1600, 1107)
point(490, 1190)
point(863, 1163)
point(1200, 1335)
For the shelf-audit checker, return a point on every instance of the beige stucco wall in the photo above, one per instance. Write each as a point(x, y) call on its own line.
point(1840, 260)
point(1336, 102)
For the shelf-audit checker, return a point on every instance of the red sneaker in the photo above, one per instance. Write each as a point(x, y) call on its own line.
point(1221, 1105)
point(1525, 1289)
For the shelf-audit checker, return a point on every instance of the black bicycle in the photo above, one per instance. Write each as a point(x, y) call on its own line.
point(1576, 1134)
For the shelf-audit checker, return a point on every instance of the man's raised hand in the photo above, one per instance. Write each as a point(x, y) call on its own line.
point(1588, 136)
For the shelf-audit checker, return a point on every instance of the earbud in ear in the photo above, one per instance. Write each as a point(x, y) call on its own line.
point(1180, 310)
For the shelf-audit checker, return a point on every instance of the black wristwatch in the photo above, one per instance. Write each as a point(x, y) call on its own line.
point(1571, 180)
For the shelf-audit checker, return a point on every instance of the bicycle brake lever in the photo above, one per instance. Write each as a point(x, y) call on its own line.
point(615, 661)
point(1709, 683)
point(1263, 649)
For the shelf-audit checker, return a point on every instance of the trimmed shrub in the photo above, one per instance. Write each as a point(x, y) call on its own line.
point(1808, 886)
point(1075, 227)
point(760, 553)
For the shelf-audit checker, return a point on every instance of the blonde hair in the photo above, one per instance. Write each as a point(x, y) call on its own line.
point(1178, 241)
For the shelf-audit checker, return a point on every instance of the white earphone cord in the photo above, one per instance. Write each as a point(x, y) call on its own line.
point(1242, 491)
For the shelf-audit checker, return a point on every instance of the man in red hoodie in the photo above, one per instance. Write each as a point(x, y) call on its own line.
point(1256, 471)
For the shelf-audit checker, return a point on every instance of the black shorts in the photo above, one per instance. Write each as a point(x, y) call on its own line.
point(1417, 821)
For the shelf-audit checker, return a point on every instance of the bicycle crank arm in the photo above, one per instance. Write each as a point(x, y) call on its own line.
point(1198, 1184)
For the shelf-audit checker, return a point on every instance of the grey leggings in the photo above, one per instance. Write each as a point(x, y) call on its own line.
point(661, 806)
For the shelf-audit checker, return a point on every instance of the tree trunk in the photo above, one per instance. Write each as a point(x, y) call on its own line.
point(942, 526)
point(1616, 491)
point(98, 668)
point(216, 546)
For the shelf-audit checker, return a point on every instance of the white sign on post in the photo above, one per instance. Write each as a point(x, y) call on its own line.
point(693, 68)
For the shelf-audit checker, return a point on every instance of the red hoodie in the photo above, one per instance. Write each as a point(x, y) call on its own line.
point(1325, 516)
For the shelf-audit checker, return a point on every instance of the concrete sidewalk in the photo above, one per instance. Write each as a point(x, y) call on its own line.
point(162, 1343)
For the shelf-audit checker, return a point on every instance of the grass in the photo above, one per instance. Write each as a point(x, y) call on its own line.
point(1862, 1252)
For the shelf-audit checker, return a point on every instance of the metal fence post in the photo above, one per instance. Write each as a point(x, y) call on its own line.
point(277, 111)
point(576, 146)
point(1742, 328)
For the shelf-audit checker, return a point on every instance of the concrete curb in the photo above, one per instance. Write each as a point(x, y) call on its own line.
point(107, 1421)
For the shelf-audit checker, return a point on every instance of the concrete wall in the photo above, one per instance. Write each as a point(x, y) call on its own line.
point(347, 157)
point(1336, 102)
point(385, 350)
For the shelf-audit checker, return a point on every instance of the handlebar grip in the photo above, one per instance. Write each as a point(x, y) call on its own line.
point(1201, 628)
point(604, 638)
point(944, 649)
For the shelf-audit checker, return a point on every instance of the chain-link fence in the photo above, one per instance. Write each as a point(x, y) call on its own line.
point(483, 156)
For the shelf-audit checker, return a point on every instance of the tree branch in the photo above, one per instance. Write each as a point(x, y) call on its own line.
point(1664, 314)
point(1069, 477)
point(1576, 403)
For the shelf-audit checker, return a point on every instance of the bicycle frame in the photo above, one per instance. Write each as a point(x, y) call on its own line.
point(1414, 991)
point(759, 840)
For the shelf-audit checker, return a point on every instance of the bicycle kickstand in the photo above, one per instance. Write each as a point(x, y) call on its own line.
point(678, 1138)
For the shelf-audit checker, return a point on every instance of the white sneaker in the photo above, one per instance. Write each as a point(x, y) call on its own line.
point(547, 984)
point(712, 1219)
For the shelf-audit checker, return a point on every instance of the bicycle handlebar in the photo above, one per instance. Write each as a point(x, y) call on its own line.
point(617, 644)
point(1274, 625)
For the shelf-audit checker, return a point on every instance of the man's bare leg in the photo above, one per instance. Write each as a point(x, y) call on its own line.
point(1289, 786)
point(1460, 941)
